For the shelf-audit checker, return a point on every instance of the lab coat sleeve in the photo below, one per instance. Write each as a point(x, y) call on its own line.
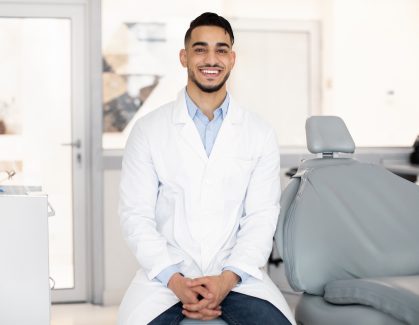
point(261, 210)
point(138, 196)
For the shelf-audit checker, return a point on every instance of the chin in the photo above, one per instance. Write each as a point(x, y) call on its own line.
point(210, 88)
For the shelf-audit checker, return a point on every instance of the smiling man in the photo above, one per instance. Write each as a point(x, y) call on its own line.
point(199, 199)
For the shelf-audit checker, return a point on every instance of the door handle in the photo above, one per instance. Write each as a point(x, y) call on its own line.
point(75, 144)
point(51, 211)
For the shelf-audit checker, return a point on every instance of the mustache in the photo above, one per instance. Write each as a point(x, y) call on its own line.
point(211, 66)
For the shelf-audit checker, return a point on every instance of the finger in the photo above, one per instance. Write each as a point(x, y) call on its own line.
point(192, 297)
point(210, 317)
point(210, 312)
point(204, 292)
point(214, 305)
point(193, 315)
point(198, 306)
point(197, 282)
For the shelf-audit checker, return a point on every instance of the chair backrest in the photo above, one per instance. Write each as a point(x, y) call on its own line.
point(328, 134)
point(343, 219)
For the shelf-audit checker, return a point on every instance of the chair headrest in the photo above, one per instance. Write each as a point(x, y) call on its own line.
point(328, 134)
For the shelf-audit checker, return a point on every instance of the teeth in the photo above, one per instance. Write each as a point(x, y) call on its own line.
point(210, 71)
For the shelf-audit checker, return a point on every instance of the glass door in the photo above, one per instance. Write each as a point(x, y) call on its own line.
point(42, 126)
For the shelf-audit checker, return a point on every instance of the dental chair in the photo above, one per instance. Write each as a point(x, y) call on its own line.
point(348, 233)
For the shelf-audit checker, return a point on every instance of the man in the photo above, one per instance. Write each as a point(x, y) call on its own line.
point(200, 199)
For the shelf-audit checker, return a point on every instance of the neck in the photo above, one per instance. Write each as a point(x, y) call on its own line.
point(207, 102)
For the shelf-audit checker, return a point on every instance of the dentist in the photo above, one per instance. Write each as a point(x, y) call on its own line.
point(199, 199)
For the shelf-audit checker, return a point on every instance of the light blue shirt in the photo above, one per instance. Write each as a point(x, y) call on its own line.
point(208, 131)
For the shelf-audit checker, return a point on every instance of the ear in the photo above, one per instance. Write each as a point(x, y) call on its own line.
point(182, 57)
point(233, 59)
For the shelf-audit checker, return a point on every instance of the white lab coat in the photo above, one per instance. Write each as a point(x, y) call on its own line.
point(177, 206)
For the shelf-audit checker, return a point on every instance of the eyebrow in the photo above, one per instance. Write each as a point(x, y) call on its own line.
point(219, 44)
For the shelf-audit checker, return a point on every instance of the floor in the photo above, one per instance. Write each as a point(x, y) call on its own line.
point(87, 314)
point(83, 314)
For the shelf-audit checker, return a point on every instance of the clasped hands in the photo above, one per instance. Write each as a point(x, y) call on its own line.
point(211, 289)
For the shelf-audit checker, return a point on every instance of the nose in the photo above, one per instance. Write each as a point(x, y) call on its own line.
point(211, 57)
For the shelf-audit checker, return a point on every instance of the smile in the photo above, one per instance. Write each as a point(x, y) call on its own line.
point(210, 72)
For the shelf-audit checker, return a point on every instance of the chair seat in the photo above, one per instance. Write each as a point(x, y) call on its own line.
point(217, 321)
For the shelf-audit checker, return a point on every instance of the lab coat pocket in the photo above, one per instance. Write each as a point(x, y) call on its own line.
point(236, 178)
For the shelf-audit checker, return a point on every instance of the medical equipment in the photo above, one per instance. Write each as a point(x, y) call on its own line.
point(25, 288)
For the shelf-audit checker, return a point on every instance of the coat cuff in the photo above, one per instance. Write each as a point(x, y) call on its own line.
point(242, 275)
point(246, 269)
point(165, 275)
point(155, 271)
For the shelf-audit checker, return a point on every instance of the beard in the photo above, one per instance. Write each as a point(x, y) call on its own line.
point(207, 89)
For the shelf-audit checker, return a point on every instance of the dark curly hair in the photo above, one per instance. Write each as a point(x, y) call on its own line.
point(209, 19)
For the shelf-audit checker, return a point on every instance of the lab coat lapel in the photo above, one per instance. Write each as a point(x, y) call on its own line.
point(188, 130)
point(227, 137)
point(225, 147)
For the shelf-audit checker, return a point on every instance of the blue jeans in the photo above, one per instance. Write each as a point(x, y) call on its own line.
point(237, 309)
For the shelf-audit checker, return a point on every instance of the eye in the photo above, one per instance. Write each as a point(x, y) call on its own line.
point(199, 50)
point(222, 51)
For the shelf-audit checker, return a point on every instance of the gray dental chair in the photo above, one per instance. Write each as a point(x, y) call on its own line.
point(349, 236)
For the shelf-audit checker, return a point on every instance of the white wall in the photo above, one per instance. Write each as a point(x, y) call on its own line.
point(274, 9)
point(120, 263)
point(374, 74)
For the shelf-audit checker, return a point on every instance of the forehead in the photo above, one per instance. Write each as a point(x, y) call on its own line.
point(209, 34)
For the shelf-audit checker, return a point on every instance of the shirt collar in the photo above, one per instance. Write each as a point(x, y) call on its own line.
point(192, 108)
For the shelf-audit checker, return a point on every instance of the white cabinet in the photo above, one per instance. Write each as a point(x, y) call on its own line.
point(24, 271)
